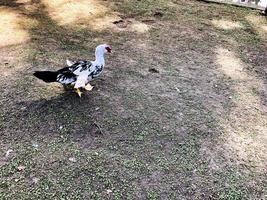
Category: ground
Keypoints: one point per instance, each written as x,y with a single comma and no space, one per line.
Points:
178,113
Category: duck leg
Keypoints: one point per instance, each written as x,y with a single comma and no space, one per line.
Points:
78,91
88,87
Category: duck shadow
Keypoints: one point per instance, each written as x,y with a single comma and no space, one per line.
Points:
66,114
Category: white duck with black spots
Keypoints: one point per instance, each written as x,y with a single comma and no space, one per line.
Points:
78,73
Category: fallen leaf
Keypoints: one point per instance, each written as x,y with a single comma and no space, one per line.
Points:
158,14
153,70
118,21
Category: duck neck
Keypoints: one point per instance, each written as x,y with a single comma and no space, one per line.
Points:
99,58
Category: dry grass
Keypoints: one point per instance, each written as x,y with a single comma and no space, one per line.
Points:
11,32
226,25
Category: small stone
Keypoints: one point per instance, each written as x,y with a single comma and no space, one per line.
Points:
192,63
230,97
23,108
16,180
177,89
97,108
61,127
109,191
8,152
35,180
72,159
21,167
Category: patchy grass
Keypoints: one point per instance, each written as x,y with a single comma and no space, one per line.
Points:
146,8
195,130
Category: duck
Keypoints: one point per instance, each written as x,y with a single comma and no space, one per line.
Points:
78,73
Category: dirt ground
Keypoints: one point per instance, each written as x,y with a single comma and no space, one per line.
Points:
178,113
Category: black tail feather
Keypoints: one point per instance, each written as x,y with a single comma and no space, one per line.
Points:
46,76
